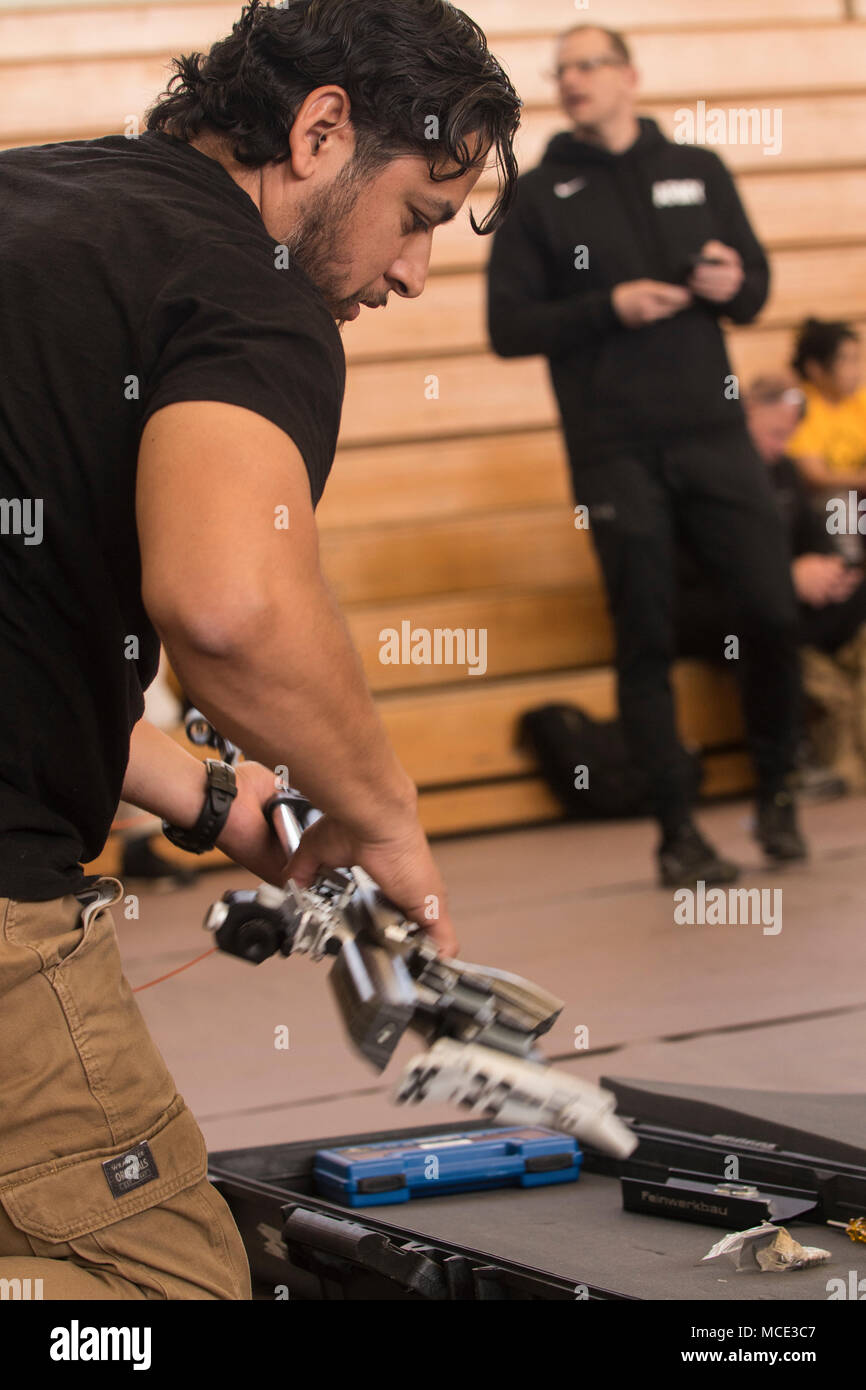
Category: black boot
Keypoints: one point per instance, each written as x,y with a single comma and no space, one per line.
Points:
776,828
685,857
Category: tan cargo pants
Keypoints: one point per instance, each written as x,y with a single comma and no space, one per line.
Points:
103,1187
837,683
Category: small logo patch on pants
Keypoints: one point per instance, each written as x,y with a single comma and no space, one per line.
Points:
132,1169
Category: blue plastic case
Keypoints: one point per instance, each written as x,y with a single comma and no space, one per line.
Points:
378,1175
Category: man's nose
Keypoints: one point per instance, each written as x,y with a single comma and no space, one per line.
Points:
408,275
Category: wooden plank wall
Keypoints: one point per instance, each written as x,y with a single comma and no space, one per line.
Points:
455,511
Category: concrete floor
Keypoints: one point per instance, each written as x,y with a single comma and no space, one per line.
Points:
575,908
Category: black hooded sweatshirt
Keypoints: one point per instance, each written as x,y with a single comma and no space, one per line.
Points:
584,221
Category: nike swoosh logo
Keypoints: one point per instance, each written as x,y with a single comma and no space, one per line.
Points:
565,190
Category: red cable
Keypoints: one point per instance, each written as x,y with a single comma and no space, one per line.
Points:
159,981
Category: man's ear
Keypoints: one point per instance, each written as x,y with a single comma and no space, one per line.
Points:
319,130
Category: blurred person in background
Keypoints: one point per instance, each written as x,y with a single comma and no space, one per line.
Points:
621,256
831,594
830,441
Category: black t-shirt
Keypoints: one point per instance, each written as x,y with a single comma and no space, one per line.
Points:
134,273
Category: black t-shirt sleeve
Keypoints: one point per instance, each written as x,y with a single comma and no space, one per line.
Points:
229,325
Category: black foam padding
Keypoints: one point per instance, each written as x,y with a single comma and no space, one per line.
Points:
819,1126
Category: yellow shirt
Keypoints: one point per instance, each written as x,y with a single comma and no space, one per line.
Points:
834,433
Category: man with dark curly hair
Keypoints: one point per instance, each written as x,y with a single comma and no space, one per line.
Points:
169,408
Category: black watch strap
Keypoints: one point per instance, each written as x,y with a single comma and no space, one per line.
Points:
222,788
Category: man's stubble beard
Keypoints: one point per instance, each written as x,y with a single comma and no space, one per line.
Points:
319,243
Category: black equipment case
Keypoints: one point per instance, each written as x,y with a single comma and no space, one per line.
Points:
573,1241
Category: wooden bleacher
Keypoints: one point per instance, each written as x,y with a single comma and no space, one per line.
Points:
456,511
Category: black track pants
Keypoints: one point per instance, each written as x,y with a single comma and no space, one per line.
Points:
713,490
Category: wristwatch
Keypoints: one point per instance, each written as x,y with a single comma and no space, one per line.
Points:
222,788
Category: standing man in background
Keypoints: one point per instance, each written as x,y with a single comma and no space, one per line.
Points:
621,255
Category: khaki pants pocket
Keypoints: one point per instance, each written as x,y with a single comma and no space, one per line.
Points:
143,1214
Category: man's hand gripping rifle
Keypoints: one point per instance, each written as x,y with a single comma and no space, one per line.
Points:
481,1025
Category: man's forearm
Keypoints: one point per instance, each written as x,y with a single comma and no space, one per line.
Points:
290,691
551,328
162,778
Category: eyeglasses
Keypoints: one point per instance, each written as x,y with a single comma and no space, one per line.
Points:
778,395
587,65
789,396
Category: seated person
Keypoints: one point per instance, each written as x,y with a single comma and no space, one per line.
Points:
829,444
832,594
